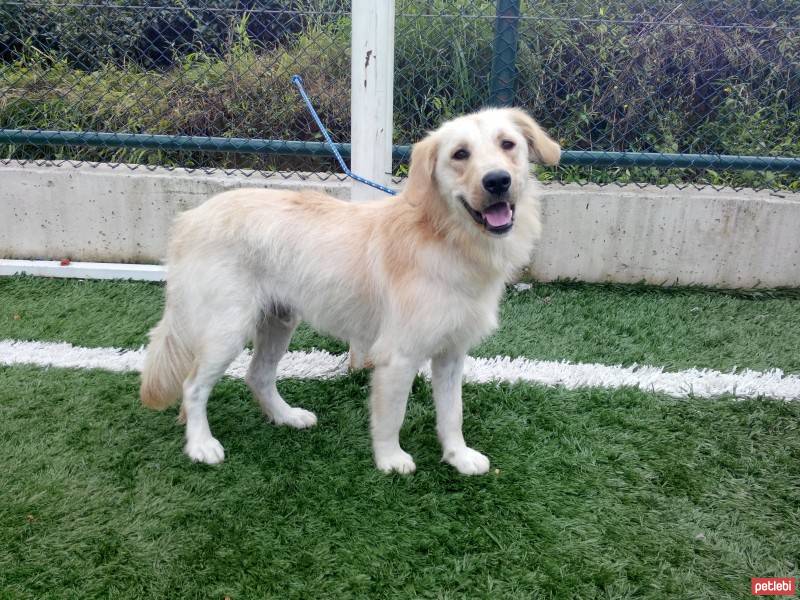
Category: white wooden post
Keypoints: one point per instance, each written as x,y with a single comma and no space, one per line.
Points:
371,101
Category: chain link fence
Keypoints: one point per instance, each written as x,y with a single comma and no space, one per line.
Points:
643,91
171,84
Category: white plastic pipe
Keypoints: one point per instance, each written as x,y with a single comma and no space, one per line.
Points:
82,270
371,100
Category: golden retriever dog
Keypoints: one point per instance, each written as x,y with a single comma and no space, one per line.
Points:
403,279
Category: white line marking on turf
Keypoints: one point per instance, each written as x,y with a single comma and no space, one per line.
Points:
318,364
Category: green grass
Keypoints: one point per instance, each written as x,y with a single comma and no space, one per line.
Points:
600,494
97,313
595,85
677,329
597,493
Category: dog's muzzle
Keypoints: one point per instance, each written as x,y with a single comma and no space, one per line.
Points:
497,218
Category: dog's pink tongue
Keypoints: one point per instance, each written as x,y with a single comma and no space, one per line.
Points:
498,215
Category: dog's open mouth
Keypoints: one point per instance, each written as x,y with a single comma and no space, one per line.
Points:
497,218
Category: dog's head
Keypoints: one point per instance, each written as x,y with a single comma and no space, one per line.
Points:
478,165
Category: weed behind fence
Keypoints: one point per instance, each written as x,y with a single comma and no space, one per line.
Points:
663,76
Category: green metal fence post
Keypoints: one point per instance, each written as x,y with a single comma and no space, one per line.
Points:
504,61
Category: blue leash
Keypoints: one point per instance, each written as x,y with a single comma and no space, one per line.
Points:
299,83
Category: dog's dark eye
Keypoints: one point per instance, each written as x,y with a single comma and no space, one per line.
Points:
507,144
461,154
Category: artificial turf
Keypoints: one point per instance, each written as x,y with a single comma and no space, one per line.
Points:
599,494
592,493
676,329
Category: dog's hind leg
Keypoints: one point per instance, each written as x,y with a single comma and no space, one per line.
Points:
226,327
271,342
209,366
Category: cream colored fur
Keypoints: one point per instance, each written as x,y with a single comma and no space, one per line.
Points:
403,279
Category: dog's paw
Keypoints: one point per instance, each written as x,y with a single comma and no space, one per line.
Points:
207,450
398,461
298,418
467,461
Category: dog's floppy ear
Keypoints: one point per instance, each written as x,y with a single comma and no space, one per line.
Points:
421,182
541,147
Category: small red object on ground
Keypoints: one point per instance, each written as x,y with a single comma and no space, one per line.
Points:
65,262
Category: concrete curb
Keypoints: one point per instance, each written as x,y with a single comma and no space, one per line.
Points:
663,236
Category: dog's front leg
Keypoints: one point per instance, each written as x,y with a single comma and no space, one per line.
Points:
391,384
446,370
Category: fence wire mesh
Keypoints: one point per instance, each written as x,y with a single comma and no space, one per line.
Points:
655,76
652,76
217,68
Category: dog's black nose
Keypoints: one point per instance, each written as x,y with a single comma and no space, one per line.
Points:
497,182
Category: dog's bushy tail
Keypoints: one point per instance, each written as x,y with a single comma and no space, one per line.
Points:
166,365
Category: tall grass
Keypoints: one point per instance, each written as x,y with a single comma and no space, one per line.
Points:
664,76
244,92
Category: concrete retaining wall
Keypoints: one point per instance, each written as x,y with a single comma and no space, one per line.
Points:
670,236
622,234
